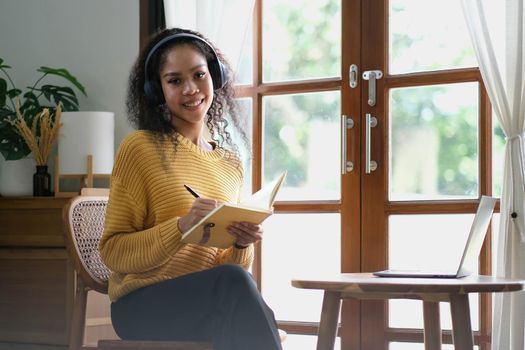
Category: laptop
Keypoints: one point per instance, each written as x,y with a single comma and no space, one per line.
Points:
469,260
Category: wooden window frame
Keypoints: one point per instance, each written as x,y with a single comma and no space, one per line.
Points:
354,27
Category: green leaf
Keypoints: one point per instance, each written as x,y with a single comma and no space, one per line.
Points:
30,99
3,92
33,100
31,106
13,93
60,95
14,150
64,73
12,146
2,65
5,113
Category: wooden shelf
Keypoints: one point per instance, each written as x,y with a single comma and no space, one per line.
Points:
37,281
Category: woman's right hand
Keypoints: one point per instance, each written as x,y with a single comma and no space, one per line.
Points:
200,208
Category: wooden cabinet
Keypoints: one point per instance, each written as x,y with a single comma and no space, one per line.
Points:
36,280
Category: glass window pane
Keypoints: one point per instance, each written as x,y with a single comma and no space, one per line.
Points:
244,74
280,264
434,142
433,241
245,112
301,39
404,313
301,135
498,156
428,35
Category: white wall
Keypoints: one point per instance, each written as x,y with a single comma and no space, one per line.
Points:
96,40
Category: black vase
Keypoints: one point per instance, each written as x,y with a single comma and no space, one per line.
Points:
41,182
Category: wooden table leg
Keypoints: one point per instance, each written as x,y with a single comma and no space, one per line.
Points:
432,325
329,316
461,327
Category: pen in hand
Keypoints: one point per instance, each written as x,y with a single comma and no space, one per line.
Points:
193,193
206,235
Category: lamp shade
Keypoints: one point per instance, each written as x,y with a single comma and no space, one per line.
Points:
84,133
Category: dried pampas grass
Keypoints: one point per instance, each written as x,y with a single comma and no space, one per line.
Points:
42,134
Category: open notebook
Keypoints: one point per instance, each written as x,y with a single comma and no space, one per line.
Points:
212,230
469,260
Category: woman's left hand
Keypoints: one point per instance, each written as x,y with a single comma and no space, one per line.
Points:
246,233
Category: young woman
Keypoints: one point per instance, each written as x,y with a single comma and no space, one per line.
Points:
161,288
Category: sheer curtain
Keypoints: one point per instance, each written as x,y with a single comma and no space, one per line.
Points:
497,32
223,22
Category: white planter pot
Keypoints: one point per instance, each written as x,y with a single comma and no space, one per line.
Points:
16,176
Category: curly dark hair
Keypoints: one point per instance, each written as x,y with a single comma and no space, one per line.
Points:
145,116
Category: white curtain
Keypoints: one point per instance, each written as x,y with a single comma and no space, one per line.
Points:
497,33
223,22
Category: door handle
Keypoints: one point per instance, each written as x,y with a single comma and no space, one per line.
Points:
372,76
370,122
346,165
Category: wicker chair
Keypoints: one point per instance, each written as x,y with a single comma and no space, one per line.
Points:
84,221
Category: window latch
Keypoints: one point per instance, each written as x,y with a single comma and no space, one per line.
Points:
372,76
353,74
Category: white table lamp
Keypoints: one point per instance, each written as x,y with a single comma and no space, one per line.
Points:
85,146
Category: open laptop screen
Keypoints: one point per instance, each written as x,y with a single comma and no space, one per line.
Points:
469,259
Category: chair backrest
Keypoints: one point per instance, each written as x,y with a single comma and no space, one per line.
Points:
84,220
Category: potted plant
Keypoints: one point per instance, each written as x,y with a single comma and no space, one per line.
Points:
32,102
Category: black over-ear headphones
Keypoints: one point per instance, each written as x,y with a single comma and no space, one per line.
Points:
218,71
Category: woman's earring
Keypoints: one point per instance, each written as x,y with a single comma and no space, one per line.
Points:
166,115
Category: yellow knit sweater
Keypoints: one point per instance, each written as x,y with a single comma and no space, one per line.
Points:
141,243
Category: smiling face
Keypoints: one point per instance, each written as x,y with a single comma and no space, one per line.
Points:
187,87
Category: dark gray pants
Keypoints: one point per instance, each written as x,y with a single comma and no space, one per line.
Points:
221,305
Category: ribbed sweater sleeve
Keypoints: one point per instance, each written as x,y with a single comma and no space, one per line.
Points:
232,255
122,245
126,234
